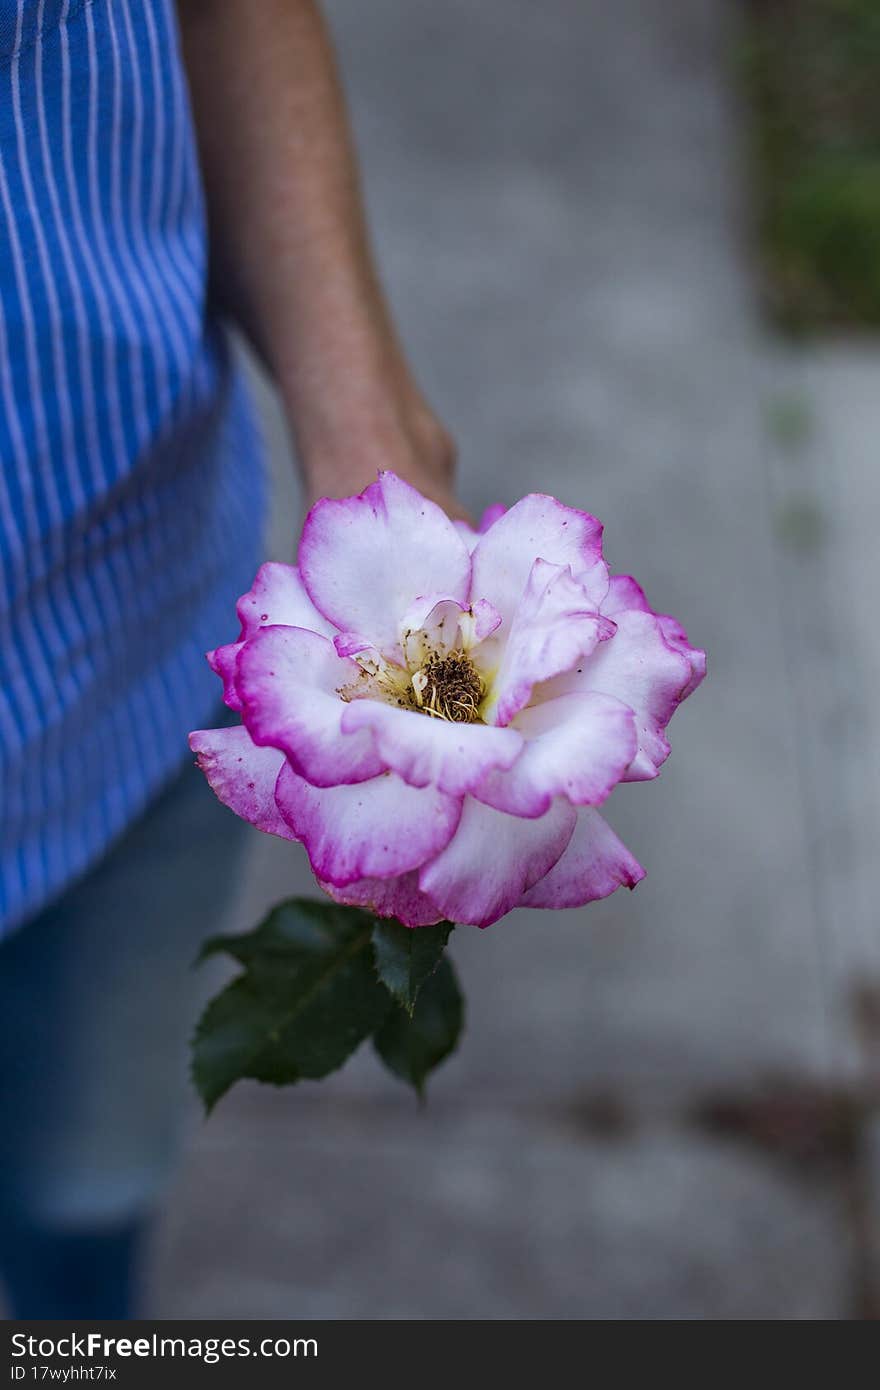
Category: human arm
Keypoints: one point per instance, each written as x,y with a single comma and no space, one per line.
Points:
291,259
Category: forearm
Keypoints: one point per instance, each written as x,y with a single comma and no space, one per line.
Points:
290,255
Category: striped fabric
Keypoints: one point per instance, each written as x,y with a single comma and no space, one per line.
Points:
131,493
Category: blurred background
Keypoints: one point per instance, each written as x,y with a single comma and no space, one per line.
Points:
635,252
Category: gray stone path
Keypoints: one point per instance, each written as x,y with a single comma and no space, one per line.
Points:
557,197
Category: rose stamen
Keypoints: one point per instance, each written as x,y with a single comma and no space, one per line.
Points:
448,688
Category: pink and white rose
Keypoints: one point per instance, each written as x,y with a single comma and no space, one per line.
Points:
437,713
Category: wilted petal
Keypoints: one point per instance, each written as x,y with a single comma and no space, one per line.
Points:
241,775
493,859
537,527
577,746
432,752
594,864
376,829
389,897
364,559
554,626
289,681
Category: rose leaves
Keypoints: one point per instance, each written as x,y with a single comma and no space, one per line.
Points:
317,980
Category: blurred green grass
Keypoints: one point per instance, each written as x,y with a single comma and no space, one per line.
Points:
811,72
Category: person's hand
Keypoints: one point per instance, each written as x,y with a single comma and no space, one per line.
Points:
400,433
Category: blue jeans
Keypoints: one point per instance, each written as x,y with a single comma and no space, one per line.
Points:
98,1000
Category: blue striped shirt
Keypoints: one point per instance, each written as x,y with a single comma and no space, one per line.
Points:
131,493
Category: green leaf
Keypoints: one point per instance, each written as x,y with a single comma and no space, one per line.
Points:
406,956
296,924
412,1047
307,998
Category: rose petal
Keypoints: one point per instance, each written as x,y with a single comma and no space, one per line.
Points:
432,752
469,536
376,829
223,661
242,776
430,627
594,864
490,516
493,859
537,527
624,593
353,644
437,625
365,559
677,637
639,667
479,622
278,597
555,624
577,746
289,682
389,897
